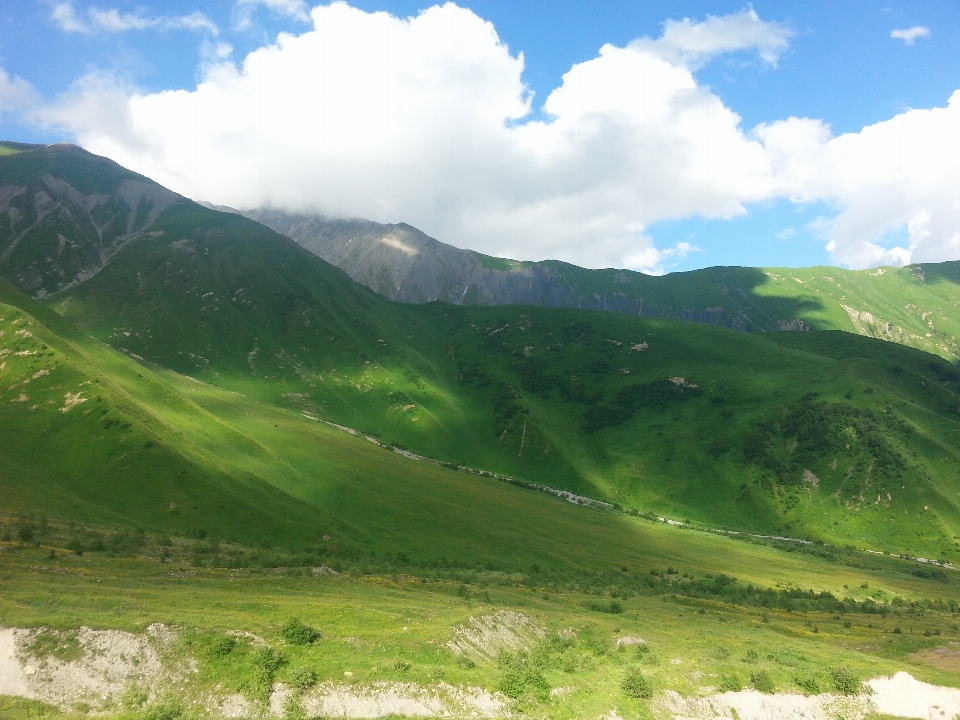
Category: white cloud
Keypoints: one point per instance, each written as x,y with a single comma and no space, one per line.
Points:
16,95
414,119
245,9
67,19
692,43
910,35
113,21
426,120
897,175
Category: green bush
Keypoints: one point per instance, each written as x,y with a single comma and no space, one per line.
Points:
134,697
521,676
293,709
808,683
637,685
166,709
762,681
844,681
297,633
730,683
303,678
268,660
222,646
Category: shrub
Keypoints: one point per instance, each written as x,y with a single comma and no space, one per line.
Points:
297,633
808,683
730,683
222,645
134,697
751,656
762,681
521,676
637,685
844,681
268,661
303,678
293,709
167,709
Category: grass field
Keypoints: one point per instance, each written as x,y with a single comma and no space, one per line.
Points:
393,626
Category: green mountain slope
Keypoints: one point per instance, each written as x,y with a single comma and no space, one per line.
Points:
103,439
822,435
66,212
915,306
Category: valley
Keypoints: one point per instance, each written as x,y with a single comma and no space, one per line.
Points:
172,381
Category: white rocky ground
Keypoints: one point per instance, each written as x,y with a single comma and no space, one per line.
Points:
901,696
106,662
488,635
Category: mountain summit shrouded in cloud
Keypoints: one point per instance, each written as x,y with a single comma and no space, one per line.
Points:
429,120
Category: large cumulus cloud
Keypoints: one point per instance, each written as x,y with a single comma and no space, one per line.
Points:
427,120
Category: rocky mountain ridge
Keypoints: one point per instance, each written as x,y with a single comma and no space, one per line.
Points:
916,305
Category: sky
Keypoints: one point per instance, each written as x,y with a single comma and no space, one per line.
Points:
656,136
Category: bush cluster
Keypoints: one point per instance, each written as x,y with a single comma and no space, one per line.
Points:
637,685
297,633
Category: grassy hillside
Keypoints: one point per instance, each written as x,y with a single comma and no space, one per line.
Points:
254,496
820,435
573,399
103,439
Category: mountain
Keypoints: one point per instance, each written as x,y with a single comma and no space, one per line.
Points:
916,305
235,482
824,435
66,213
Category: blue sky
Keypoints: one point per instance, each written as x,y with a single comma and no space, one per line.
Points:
74,70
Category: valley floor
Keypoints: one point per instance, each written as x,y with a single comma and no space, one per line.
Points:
155,633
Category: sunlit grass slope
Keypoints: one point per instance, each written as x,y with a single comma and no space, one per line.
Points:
822,435
142,447
825,435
